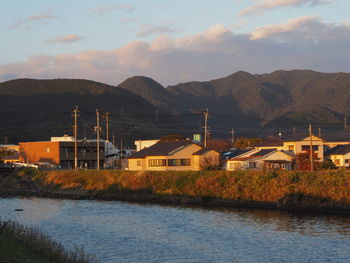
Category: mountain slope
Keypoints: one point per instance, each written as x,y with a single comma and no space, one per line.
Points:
38,109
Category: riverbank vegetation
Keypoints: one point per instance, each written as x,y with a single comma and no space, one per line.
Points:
321,190
290,188
19,244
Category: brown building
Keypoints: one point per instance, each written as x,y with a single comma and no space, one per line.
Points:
61,154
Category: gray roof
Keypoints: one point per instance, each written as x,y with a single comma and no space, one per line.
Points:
263,152
338,150
159,149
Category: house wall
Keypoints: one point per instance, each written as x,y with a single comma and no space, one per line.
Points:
34,152
141,144
136,164
236,165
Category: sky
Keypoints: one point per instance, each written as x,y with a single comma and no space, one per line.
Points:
170,41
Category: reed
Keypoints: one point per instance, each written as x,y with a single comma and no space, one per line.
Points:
28,245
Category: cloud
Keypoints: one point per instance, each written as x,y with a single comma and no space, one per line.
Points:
148,30
100,10
300,43
304,23
270,4
20,23
65,39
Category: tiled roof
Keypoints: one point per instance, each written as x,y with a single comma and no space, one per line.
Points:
338,150
258,154
201,151
235,152
263,152
159,149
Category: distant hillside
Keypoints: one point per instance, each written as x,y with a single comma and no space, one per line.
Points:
150,90
38,109
140,107
282,99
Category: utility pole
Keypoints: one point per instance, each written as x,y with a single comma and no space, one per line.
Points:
311,151
345,122
233,137
75,111
106,116
121,149
206,113
98,129
319,132
113,140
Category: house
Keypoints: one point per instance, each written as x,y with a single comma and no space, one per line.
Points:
300,143
261,159
60,153
181,155
296,143
340,155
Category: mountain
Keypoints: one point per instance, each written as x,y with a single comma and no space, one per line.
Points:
140,107
38,109
281,99
150,90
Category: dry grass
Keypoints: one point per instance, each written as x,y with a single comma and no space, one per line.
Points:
242,185
28,245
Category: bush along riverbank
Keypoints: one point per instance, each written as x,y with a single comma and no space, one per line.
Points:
327,191
19,244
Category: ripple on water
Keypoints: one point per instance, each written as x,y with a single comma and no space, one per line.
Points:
123,232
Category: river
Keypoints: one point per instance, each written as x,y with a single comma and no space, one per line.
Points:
124,232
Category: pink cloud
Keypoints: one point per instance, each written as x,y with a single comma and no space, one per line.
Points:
65,39
271,4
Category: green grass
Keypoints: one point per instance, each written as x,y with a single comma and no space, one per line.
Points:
20,244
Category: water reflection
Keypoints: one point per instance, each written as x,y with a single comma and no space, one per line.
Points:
123,232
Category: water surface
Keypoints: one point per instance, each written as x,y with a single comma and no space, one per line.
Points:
123,232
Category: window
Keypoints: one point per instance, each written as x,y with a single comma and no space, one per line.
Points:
337,162
252,165
138,163
47,149
346,160
156,162
179,162
306,148
291,148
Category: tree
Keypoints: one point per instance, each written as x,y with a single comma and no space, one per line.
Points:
303,161
243,143
219,145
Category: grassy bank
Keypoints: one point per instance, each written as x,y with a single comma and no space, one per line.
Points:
20,244
286,189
